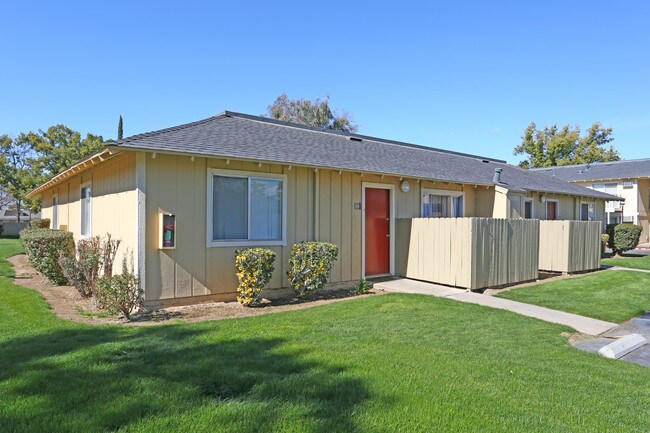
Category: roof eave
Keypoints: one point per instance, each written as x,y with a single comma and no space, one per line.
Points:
103,154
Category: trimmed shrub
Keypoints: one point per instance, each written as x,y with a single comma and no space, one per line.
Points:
309,266
44,247
43,223
120,293
626,237
255,267
362,288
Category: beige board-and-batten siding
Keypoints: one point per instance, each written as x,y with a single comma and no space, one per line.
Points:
472,253
320,206
112,204
569,246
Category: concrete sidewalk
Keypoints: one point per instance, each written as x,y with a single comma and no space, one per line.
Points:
586,325
620,268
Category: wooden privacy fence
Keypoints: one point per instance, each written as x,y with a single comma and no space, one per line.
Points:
472,253
569,246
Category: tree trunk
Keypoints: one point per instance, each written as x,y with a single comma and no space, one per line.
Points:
18,211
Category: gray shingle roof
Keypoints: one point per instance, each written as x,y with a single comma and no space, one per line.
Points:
625,169
241,136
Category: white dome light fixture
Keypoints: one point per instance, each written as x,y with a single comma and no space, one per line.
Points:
405,186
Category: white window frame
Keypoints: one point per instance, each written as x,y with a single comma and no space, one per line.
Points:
557,209
443,192
210,242
55,211
532,208
592,203
88,184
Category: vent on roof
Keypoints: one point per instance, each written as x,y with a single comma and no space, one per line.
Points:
497,175
355,138
485,161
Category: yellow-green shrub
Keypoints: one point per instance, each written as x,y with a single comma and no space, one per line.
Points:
255,267
309,266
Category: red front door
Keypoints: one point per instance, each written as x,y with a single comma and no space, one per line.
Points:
551,210
377,233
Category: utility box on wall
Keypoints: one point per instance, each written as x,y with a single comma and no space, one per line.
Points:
166,231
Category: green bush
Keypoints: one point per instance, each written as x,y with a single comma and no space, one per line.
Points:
609,231
119,293
255,267
44,247
626,237
43,223
309,266
363,287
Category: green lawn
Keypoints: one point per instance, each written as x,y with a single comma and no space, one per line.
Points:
377,364
8,248
638,262
614,296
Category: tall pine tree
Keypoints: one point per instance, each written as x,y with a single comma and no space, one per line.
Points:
119,129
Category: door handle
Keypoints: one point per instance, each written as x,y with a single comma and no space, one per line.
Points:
387,235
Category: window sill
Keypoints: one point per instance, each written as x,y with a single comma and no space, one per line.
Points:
219,244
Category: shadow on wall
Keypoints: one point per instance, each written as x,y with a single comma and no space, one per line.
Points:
169,378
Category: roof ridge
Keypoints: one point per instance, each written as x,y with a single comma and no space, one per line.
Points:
620,161
352,134
169,129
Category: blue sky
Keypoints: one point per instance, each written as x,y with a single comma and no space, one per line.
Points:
466,76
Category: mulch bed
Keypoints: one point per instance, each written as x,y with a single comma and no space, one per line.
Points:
67,304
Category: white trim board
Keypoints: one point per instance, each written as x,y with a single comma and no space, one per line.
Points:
391,202
141,218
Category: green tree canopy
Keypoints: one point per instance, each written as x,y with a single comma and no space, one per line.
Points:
553,146
59,147
315,113
18,173
30,158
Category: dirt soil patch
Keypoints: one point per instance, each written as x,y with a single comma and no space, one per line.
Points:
67,304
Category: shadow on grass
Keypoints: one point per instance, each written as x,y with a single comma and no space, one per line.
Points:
96,379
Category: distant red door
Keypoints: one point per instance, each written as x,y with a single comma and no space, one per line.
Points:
551,210
377,231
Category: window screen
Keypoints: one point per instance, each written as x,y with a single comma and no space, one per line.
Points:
247,208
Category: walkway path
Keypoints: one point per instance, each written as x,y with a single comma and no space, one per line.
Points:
586,325
621,268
